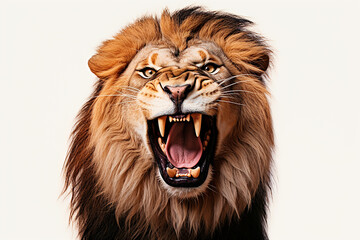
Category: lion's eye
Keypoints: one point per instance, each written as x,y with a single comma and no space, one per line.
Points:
211,68
147,72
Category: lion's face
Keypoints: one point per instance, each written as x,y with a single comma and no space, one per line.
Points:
176,97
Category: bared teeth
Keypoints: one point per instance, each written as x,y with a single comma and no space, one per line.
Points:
183,119
183,173
171,171
162,123
195,172
197,123
174,172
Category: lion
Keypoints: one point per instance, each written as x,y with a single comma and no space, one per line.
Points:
176,140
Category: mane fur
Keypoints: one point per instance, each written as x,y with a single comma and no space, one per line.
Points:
110,173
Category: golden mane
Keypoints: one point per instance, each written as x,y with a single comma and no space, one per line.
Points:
110,171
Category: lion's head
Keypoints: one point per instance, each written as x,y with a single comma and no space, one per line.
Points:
177,137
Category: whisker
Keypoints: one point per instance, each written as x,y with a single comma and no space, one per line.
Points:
130,90
129,96
229,96
129,87
123,102
238,82
232,77
224,101
106,96
234,91
117,95
227,79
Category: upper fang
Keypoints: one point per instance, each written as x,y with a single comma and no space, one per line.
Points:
197,123
162,122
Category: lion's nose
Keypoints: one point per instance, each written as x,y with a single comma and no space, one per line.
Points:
177,93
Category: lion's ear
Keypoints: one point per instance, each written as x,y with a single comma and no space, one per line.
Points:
108,61
111,58
94,65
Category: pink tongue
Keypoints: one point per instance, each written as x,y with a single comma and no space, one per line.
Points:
183,148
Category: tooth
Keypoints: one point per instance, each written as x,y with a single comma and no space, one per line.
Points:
197,123
171,172
208,137
160,141
205,143
163,147
195,172
188,117
162,122
170,119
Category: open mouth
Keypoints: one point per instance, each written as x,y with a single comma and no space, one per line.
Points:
184,147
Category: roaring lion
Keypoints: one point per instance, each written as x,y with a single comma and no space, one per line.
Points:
176,140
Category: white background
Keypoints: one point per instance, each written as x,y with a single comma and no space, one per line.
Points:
44,48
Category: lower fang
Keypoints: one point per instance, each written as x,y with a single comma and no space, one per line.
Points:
195,172
171,172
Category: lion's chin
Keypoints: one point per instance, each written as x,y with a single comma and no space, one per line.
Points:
186,192
183,147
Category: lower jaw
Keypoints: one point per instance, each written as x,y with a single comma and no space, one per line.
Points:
187,192
188,182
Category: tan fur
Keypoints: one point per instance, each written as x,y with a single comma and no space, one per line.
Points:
125,168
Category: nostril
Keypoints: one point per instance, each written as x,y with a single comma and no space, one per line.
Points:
177,93
167,90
